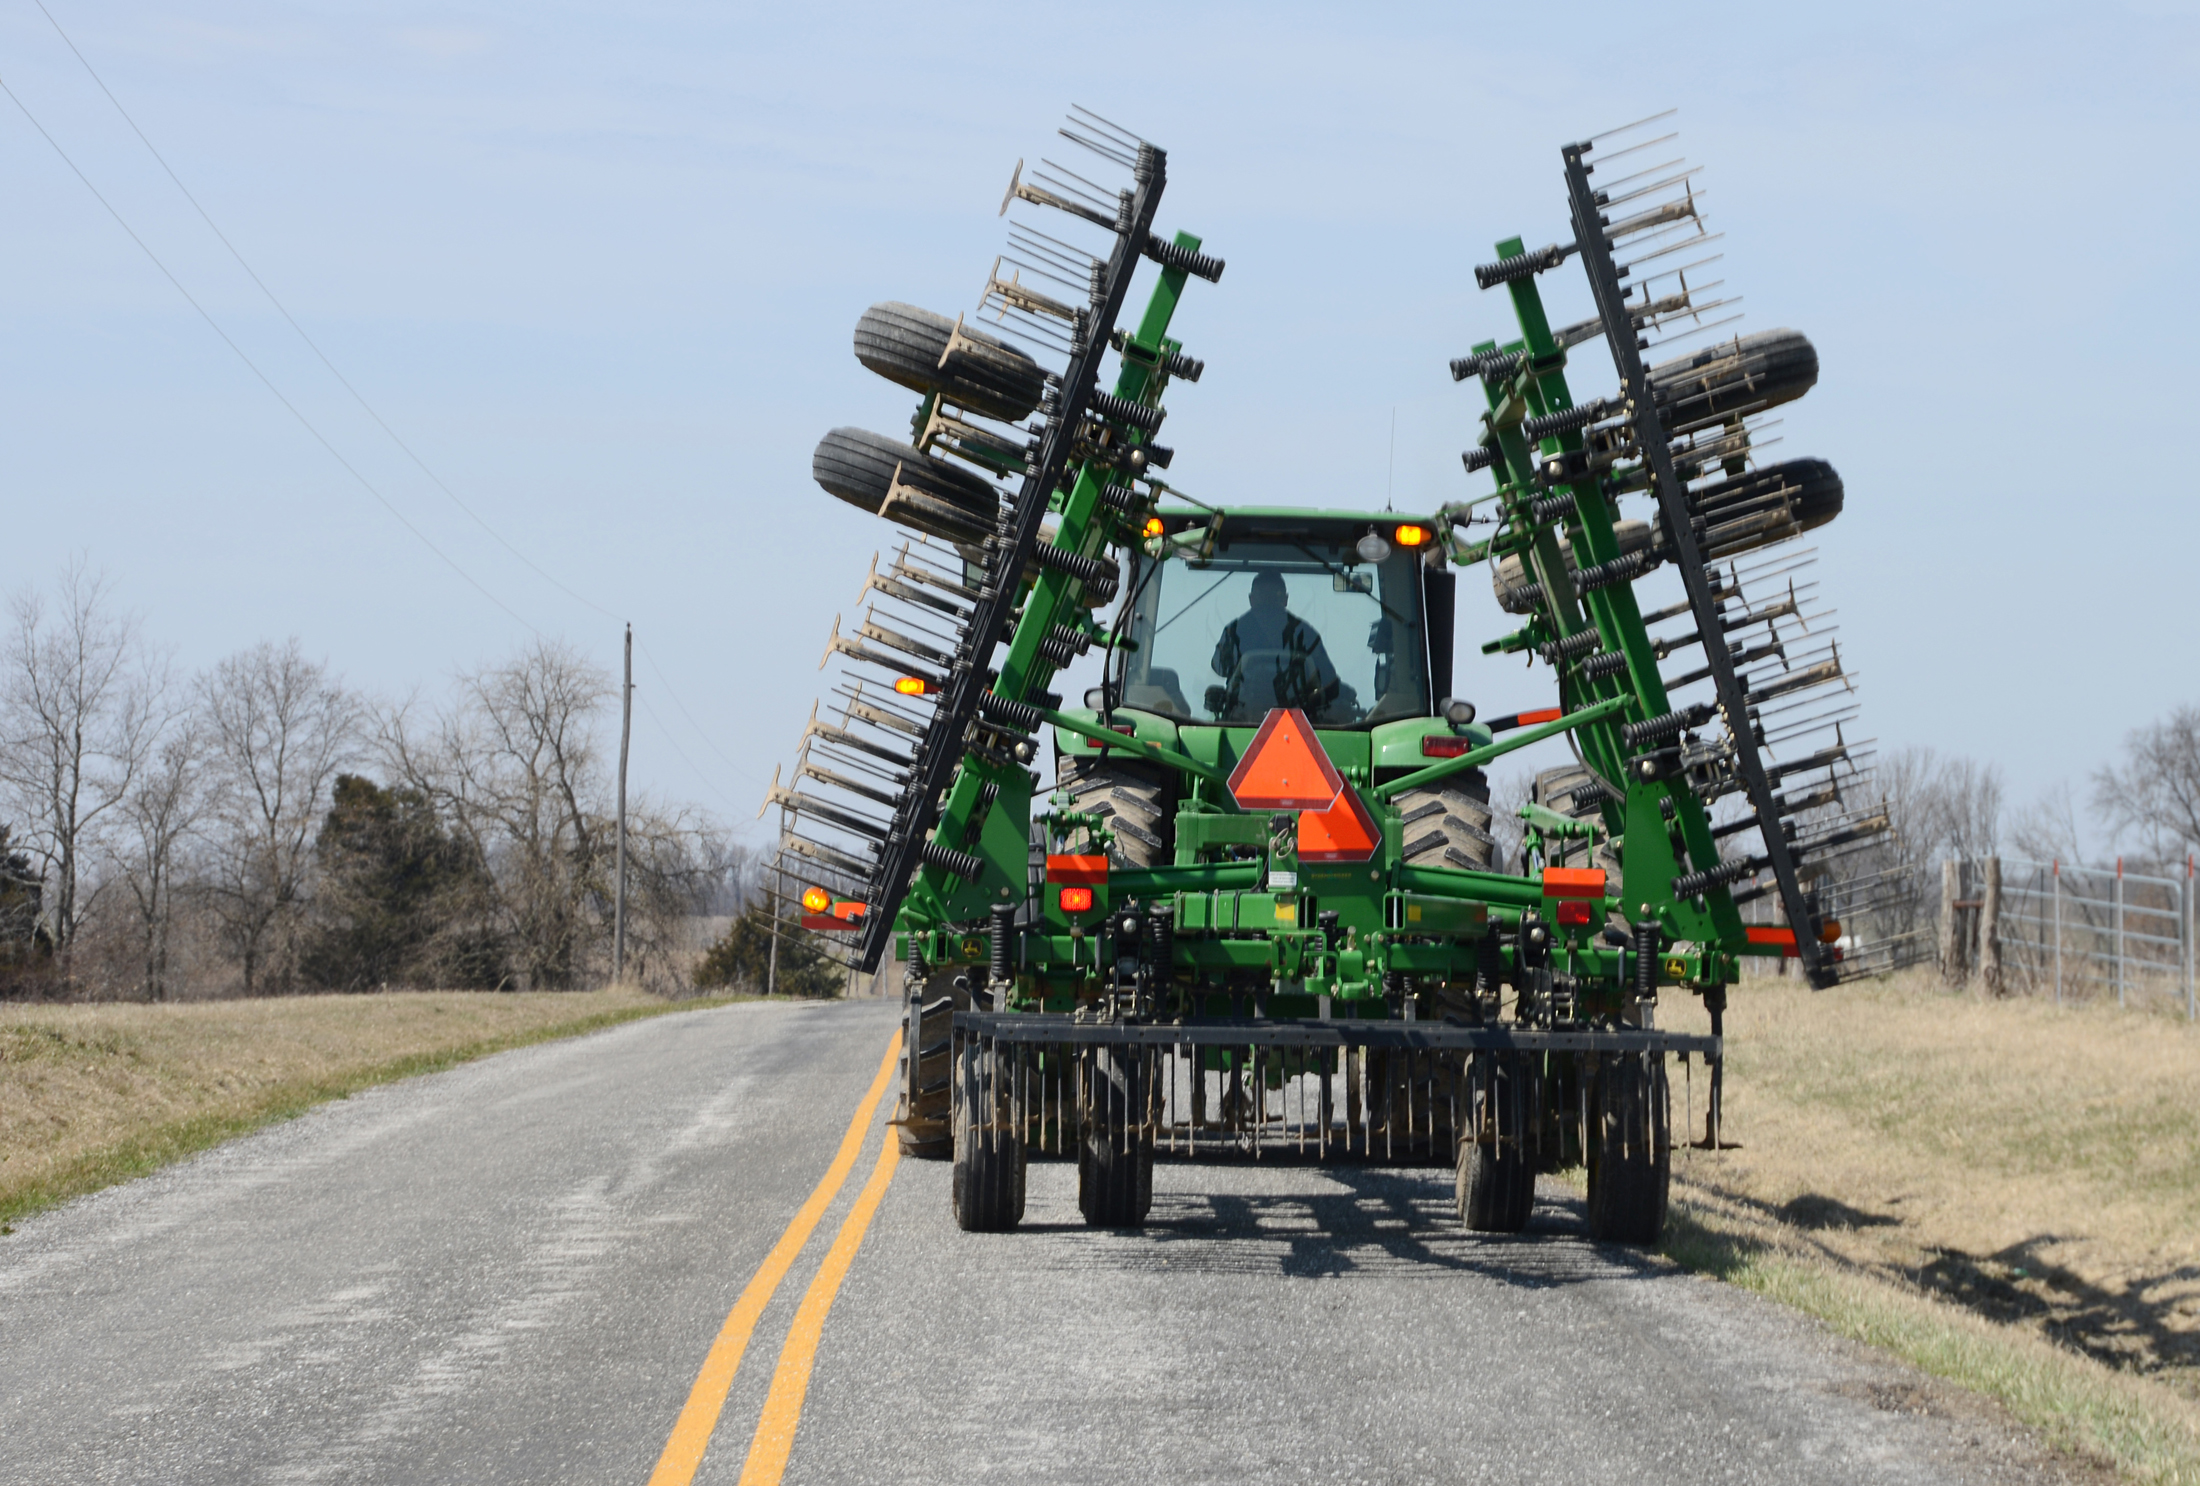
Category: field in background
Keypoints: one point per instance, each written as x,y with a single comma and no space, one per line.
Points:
2003,1191
95,1094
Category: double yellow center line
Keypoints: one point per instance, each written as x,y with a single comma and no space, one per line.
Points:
774,1437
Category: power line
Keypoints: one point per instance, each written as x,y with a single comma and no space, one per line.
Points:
357,396
639,696
253,366
706,737
312,344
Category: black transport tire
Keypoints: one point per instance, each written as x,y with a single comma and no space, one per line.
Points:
1135,796
1494,1170
1115,1143
1494,1187
925,1118
1744,375
1448,824
907,345
988,1194
1811,487
858,466
1630,1150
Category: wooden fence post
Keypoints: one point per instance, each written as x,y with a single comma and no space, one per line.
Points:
1951,942
1989,929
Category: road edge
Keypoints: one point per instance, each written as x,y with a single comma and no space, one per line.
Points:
2099,1418
165,1144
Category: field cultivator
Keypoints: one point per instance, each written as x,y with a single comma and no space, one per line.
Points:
1263,910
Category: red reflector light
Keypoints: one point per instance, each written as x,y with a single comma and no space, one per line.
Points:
1573,913
1437,745
1775,934
1573,882
1077,900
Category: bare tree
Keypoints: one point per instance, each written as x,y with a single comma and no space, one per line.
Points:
167,803
278,728
81,700
2047,829
2155,793
514,765
1940,806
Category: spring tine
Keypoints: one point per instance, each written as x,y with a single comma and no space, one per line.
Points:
1623,128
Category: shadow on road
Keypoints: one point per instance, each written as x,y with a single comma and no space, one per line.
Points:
1356,1220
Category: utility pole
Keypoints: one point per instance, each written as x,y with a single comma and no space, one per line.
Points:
626,732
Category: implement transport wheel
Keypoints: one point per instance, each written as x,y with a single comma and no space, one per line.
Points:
1135,797
1495,1186
1448,824
1630,1150
925,1120
989,1144
985,374
1494,1176
1115,1147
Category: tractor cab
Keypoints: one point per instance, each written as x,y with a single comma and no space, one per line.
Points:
1346,617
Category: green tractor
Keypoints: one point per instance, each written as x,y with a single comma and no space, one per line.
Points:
1265,908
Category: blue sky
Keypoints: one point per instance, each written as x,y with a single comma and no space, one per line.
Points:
599,265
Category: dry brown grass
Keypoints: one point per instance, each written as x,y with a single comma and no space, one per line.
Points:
2006,1191
95,1094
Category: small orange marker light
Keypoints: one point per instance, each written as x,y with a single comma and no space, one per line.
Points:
911,686
816,899
1077,900
1153,526
1410,535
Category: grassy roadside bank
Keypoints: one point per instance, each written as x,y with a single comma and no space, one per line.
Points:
2006,1194
91,1095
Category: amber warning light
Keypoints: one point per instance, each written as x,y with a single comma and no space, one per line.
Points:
816,899
1410,535
911,686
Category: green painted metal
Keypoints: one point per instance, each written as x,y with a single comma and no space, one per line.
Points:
1243,907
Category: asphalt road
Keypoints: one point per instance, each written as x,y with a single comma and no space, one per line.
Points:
514,1272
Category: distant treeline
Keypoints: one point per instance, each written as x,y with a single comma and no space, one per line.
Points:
261,828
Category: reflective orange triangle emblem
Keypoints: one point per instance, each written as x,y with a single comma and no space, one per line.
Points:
1345,832
1284,768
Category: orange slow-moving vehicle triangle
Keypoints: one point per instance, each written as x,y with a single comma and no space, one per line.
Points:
1345,832
1284,768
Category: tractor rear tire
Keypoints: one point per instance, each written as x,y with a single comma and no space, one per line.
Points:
1574,791
925,1120
906,345
1115,1146
1448,824
1136,798
1630,1150
989,1145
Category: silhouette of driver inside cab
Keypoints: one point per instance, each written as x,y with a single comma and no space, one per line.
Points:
1269,657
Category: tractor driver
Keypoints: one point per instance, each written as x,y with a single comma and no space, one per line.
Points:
1284,649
